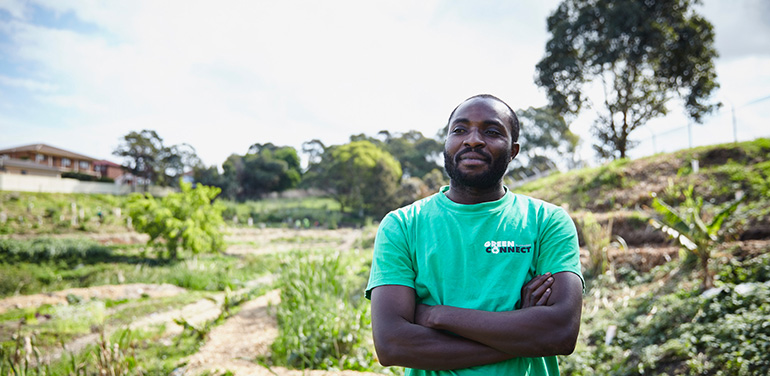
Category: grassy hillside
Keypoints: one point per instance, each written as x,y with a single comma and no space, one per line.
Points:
622,189
648,313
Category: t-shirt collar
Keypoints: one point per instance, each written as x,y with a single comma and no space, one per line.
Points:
484,207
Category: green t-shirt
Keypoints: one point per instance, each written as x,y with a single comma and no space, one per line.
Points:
475,256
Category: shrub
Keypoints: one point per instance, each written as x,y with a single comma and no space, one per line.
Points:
79,176
186,220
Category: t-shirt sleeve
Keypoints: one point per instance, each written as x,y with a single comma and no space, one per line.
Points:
392,262
559,250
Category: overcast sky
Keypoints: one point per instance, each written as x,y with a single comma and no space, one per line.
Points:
223,75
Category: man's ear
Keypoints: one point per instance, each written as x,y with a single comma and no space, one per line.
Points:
514,150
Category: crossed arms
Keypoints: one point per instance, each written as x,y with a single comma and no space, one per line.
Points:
416,336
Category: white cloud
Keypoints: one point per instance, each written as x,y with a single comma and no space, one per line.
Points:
31,85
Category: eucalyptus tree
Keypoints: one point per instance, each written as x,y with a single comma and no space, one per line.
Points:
643,53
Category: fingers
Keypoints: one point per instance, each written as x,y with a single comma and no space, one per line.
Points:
541,290
537,291
544,299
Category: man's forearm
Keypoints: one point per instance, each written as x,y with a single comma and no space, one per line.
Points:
399,341
415,346
529,332
534,331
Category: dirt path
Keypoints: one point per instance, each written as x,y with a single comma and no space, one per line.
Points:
194,313
115,292
234,345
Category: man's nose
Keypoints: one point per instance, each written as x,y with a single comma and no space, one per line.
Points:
474,140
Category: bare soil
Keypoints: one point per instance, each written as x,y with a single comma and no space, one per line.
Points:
114,292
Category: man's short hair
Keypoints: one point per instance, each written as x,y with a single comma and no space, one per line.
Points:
514,119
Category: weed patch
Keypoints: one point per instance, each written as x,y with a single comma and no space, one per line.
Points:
323,318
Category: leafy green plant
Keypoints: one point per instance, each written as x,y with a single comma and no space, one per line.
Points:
186,220
322,318
688,226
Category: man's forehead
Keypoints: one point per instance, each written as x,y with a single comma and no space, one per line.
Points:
481,104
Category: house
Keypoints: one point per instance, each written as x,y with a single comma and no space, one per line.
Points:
47,160
105,168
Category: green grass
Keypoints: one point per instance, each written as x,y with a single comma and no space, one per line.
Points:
30,271
135,351
321,210
51,213
724,169
306,239
323,317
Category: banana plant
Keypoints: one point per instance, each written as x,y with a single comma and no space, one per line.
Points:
687,225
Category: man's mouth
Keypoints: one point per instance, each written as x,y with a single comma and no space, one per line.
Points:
473,157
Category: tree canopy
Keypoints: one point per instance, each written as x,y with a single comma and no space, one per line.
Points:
146,157
545,139
643,53
263,169
416,153
360,175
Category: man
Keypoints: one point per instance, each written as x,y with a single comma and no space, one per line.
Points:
476,280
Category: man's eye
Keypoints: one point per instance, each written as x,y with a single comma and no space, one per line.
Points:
458,130
493,132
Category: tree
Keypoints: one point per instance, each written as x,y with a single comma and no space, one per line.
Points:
147,158
265,168
141,152
360,176
545,141
416,153
174,162
185,220
210,176
644,53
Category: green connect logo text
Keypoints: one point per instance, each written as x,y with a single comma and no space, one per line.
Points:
506,246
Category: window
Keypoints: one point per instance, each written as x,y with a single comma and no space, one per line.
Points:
40,158
65,162
83,165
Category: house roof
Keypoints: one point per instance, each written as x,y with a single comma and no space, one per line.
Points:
48,150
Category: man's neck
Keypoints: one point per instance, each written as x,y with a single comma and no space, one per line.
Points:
469,195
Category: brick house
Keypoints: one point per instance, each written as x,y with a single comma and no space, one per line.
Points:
46,160
105,168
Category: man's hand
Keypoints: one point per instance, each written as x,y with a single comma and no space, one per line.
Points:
537,291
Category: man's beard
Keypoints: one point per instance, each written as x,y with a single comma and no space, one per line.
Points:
488,179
